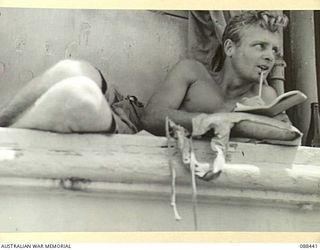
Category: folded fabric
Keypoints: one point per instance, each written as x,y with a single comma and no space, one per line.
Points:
247,125
240,124
236,124
223,125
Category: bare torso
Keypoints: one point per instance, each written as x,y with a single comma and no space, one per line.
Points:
190,88
207,97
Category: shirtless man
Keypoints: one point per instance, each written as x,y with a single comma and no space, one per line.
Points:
72,96
251,43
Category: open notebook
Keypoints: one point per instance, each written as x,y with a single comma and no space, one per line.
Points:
280,104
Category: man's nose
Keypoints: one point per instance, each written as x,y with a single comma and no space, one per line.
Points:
268,55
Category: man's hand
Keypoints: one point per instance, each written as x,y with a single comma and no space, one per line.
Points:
283,117
252,101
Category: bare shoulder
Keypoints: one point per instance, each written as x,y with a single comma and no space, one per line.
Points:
173,90
191,69
189,64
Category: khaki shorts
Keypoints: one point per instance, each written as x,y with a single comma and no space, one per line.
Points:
126,110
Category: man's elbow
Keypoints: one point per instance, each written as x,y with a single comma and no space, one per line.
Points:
150,123
144,118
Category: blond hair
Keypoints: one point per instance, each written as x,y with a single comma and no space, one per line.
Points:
271,21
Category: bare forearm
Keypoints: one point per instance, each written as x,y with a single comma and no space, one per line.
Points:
154,120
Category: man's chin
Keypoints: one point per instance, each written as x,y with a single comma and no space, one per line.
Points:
255,80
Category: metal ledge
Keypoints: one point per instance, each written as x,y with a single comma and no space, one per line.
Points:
134,159
133,169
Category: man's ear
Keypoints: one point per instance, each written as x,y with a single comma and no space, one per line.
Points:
228,47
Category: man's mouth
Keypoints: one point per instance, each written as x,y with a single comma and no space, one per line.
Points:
263,68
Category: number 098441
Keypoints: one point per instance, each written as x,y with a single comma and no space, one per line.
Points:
308,246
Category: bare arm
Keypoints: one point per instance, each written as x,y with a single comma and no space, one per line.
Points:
167,99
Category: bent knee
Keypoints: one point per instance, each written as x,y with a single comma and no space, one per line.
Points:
74,104
76,91
86,108
70,68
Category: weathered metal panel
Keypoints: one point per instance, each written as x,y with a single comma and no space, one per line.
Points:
303,63
133,48
92,182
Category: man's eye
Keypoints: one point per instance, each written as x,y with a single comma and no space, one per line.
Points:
259,46
275,51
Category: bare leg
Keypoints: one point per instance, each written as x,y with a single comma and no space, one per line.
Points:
65,98
75,104
33,90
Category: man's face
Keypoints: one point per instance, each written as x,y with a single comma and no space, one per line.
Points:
256,52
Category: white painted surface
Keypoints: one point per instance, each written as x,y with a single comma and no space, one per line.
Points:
134,49
122,183
71,211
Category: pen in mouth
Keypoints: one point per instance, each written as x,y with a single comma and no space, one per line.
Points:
261,82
